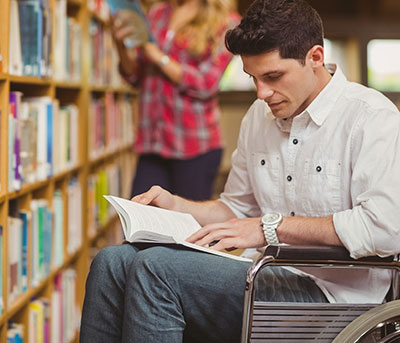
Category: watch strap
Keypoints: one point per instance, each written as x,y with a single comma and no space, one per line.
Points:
270,234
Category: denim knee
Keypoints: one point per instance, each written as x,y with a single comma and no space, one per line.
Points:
113,257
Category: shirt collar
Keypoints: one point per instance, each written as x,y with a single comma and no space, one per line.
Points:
322,105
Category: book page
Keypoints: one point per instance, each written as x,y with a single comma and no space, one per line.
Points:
146,224
140,217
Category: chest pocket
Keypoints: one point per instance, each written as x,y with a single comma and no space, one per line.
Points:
266,179
320,189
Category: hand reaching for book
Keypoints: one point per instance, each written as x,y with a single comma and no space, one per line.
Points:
237,233
129,29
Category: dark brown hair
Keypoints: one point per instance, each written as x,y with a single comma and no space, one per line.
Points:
292,27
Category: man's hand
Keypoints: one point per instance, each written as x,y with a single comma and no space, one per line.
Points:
235,233
156,196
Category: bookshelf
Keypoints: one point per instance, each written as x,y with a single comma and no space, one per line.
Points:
52,215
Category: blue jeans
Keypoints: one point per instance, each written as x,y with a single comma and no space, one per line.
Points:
163,295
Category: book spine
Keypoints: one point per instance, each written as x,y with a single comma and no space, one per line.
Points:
25,221
50,137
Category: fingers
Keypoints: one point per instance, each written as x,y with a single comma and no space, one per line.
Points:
149,196
228,244
204,231
122,26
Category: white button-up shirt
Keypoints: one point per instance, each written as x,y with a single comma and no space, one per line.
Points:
340,157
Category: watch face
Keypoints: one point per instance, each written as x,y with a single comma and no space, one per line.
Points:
271,218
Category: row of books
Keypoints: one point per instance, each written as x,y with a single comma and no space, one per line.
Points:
61,308
101,44
103,57
42,138
105,181
30,38
114,179
39,232
68,45
100,8
111,122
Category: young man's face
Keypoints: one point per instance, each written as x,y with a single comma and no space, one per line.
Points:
285,84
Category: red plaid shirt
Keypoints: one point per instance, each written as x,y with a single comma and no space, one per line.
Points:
178,121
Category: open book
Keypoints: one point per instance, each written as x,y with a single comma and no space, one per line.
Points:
149,224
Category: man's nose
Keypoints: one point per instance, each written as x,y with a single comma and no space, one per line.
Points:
264,91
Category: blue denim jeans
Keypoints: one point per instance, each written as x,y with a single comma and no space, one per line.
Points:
164,295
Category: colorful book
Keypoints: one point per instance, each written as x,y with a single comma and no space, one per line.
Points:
25,217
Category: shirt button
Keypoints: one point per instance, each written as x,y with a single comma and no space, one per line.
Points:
289,178
292,214
318,169
295,141
262,162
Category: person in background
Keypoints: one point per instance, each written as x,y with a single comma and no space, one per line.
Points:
317,163
178,73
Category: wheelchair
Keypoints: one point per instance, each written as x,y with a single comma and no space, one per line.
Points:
321,322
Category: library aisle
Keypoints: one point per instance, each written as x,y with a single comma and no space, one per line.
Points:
66,129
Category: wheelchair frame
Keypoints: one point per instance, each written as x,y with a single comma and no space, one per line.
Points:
321,322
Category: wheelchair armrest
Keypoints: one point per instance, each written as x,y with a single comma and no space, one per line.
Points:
318,253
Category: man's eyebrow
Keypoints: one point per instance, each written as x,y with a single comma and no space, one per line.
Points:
266,74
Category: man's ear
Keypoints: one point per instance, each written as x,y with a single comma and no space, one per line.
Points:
315,56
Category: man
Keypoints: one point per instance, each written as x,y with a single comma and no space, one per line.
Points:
317,162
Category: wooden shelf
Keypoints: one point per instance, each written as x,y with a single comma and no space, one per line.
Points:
76,3
124,90
68,85
66,172
28,188
109,154
237,96
30,80
65,95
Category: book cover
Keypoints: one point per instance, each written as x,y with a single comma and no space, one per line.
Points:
14,258
36,321
25,217
27,144
149,224
15,105
58,240
31,28
15,53
133,10
11,156
35,276
50,134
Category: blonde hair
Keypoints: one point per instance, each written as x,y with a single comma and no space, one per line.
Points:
205,31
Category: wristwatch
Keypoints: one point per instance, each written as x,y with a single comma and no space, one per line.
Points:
269,223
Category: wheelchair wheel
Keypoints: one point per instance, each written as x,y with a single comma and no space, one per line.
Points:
378,325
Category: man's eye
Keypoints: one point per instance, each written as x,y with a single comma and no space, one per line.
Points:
273,77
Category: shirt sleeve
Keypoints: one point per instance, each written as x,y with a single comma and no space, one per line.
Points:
202,81
372,226
238,194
